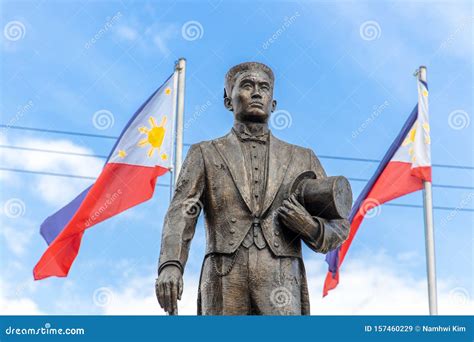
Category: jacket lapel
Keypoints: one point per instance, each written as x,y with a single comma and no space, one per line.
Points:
231,152
280,155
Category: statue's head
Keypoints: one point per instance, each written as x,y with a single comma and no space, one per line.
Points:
249,92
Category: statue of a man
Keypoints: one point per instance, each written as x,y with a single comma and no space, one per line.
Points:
253,263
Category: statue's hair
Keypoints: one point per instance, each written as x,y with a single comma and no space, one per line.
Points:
235,71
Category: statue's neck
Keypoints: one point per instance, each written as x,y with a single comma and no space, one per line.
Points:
254,128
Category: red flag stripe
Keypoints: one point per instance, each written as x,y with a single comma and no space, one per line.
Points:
118,188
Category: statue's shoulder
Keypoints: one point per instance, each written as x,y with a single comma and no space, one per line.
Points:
295,148
206,144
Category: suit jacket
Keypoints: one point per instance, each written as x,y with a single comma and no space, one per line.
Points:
212,179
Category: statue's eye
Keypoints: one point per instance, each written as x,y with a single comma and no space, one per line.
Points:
247,86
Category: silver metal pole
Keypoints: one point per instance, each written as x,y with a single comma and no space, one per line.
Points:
181,68
429,233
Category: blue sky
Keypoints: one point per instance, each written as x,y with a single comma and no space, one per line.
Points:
344,86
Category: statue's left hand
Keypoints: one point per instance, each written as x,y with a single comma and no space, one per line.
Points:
296,217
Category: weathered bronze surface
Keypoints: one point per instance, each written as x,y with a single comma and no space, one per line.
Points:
254,223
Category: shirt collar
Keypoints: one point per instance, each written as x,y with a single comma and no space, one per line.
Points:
244,134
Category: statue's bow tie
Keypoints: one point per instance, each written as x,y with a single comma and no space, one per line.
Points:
261,138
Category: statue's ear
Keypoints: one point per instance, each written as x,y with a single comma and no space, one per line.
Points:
274,105
227,101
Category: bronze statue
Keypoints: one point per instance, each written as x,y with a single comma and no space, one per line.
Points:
250,185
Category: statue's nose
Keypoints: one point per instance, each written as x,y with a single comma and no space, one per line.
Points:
256,94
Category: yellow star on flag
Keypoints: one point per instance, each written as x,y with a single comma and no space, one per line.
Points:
122,153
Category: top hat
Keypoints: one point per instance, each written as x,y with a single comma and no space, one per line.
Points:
329,197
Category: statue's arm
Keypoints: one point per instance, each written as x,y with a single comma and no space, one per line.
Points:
183,212
325,235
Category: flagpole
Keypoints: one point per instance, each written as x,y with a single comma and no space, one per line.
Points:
429,232
180,67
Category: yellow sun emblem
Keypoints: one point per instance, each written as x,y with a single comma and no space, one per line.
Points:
410,139
155,136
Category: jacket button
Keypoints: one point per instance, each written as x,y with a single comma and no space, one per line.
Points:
277,232
231,243
233,220
232,231
276,244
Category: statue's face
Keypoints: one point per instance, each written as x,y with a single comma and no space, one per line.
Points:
252,97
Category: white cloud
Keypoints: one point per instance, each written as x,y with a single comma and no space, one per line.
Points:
161,36
156,35
14,302
16,239
137,297
56,191
370,285
127,33
379,285
18,306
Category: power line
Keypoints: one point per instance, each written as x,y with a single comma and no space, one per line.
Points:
59,132
167,185
52,151
464,167
434,207
378,161
56,174
447,186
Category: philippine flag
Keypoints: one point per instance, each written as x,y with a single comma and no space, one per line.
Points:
402,171
143,152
